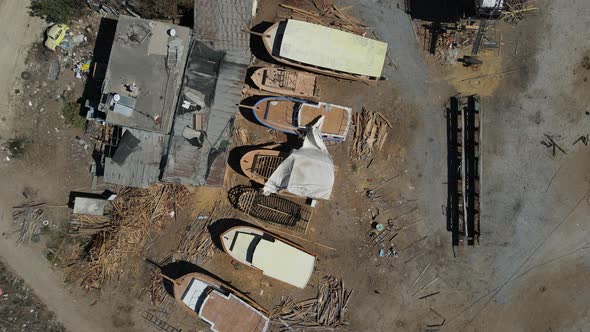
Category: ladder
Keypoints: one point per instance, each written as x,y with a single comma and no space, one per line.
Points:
160,324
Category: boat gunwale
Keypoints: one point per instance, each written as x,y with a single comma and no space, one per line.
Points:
219,285
325,136
262,87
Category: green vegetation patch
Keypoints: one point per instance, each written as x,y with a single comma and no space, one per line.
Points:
72,117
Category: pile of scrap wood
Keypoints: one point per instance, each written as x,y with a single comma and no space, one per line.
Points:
196,245
29,219
155,288
516,10
137,214
326,13
370,134
85,224
325,311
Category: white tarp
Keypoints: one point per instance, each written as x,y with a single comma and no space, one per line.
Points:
308,171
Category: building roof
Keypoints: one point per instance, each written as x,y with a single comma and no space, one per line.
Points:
329,48
216,86
145,69
141,166
221,25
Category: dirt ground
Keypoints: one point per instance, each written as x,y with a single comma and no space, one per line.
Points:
20,309
530,271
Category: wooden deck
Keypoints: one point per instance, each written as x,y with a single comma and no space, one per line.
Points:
336,121
230,314
278,114
287,82
285,115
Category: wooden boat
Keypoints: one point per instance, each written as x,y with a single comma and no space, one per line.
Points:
325,50
258,165
223,307
275,256
291,115
286,82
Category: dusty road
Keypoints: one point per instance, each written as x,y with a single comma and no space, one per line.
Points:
18,31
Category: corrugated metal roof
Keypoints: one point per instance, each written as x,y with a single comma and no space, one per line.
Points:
218,76
221,24
330,48
142,167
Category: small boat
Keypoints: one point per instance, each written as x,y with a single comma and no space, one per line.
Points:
325,50
224,308
290,115
286,82
276,257
258,165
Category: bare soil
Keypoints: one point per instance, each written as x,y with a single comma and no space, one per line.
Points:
21,309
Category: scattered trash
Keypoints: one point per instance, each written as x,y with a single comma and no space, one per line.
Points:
379,227
54,70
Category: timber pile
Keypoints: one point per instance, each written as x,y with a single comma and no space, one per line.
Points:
136,214
516,10
196,245
82,224
326,13
29,219
370,134
324,312
155,288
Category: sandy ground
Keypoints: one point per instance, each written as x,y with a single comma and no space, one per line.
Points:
47,173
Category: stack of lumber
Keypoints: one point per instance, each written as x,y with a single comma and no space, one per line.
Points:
83,224
28,218
137,214
196,245
370,134
326,13
155,288
325,311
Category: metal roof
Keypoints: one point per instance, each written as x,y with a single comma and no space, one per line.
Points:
142,166
145,56
221,25
329,48
219,86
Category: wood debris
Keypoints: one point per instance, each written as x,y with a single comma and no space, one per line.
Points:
136,214
196,245
326,13
29,219
82,224
370,134
155,289
324,312
517,10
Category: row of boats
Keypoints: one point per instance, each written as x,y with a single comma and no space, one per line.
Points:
318,49
225,308
294,109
